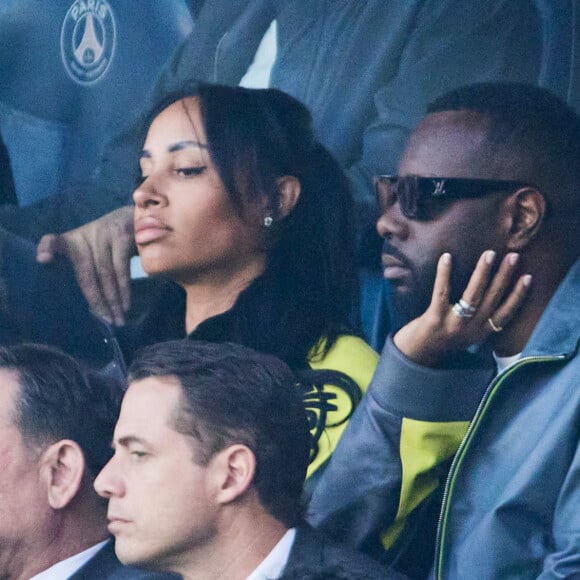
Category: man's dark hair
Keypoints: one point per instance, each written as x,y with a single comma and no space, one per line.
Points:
58,400
532,136
232,394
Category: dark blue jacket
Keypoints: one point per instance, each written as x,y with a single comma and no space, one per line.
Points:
314,554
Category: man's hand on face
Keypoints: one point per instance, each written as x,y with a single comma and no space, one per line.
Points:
99,252
488,304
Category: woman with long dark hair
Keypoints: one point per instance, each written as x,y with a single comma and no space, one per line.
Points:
249,218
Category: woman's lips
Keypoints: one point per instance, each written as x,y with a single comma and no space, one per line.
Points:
149,230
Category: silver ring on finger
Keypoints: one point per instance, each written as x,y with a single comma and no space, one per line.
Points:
494,326
463,309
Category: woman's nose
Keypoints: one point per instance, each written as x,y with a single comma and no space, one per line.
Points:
148,193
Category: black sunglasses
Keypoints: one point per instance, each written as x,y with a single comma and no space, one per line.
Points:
416,194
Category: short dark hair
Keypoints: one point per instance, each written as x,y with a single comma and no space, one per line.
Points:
233,394
532,134
59,400
256,136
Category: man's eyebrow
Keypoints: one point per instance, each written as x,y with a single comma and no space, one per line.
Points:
128,440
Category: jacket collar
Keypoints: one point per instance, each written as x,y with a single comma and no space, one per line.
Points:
558,330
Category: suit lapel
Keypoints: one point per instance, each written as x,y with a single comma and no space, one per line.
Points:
307,550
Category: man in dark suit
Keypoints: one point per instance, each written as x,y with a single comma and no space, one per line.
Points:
211,450
55,430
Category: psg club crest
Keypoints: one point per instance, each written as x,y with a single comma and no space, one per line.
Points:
87,40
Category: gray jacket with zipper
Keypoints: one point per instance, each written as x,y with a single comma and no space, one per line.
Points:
511,502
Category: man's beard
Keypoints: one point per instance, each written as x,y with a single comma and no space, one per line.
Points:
404,306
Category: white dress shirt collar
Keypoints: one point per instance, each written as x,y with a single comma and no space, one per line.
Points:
66,568
274,563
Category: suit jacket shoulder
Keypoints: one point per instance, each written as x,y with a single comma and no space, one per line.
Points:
312,552
104,565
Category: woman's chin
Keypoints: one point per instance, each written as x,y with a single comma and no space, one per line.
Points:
153,267
161,269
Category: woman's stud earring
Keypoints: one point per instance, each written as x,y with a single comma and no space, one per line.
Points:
268,221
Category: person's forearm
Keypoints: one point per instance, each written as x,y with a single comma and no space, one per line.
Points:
60,213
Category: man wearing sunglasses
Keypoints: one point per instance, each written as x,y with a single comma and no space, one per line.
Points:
481,251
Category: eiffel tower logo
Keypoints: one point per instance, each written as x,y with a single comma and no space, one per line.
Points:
87,40
90,50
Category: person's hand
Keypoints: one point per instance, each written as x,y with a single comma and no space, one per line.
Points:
440,331
100,252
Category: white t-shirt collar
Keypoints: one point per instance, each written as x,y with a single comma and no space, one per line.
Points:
503,362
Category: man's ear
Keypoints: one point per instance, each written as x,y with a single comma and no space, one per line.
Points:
62,470
235,467
289,188
527,209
